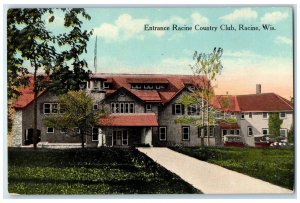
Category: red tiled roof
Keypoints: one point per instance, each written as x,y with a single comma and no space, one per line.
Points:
147,95
148,80
26,95
224,125
264,102
175,84
220,100
129,120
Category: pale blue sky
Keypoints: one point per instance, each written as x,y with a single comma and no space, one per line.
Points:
249,57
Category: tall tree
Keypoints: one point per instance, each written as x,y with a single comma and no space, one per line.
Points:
205,69
274,123
57,55
78,116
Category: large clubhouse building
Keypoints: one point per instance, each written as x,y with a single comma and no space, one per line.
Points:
143,110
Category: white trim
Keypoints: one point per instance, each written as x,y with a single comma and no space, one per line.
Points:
48,130
282,117
159,132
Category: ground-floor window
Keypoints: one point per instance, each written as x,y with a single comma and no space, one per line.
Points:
94,134
250,131
50,130
203,131
162,133
265,131
185,132
283,132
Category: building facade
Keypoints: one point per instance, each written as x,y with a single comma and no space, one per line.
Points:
144,110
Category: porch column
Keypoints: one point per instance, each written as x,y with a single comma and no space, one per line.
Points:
146,137
101,138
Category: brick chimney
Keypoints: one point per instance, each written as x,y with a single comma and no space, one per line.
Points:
258,88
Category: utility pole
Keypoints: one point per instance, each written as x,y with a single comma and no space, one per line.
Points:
95,57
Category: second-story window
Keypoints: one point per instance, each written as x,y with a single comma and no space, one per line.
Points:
122,107
250,114
148,107
177,109
51,108
265,115
282,115
242,116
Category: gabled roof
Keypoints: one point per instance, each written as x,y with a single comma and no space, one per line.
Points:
264,102
226,103
129,120
26,96
175,85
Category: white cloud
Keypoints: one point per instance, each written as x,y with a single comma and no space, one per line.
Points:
197,18
107,31
240,15
283,40
240,54
274,17
124,28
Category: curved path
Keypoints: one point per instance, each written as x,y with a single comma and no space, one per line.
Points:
210,178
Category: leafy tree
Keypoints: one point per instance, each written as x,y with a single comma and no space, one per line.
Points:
274,123
28,40
77,113
291,135
205,69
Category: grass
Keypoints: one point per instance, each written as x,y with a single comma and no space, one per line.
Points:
269,164
89,171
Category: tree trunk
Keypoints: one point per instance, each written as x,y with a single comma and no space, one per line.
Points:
202,118
35,89
208,143
82,139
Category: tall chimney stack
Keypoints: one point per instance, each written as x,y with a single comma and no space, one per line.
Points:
258,88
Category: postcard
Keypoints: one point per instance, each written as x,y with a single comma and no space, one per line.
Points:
150,100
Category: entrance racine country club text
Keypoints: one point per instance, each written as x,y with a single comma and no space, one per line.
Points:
223,27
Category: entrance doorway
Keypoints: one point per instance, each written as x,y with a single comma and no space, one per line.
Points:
120,137
29,136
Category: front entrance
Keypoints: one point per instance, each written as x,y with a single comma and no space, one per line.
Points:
29,136
120,138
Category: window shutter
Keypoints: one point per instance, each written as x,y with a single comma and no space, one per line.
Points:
189,110
173,109
182,109
41,108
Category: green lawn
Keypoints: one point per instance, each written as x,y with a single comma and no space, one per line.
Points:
272,165
89,171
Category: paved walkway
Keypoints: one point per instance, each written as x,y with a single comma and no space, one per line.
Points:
210,178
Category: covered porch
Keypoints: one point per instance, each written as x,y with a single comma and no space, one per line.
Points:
127,129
